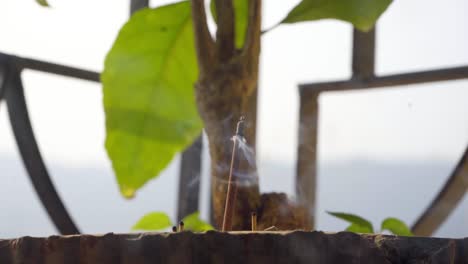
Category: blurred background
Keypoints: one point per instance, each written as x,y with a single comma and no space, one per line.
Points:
381,153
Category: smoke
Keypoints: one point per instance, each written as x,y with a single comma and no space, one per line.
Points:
245,178
193,181
245,151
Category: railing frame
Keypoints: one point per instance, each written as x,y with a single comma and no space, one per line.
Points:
364,78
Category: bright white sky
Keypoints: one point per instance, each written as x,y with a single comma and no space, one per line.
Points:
423,122
428,121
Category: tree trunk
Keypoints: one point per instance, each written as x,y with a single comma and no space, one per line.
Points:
228,79
222,98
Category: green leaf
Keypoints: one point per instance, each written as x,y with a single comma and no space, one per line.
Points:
153,221
194,223
43,3
359,229
149,102
361,13
356,221
241,13
396,226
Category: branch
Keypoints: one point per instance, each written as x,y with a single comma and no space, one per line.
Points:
251,50
204,44
225,32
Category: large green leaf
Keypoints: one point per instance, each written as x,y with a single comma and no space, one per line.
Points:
241,12
361,13
357,222
153,221
43,3
194,223
396,226
149,99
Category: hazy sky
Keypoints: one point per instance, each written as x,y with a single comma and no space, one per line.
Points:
417,122
420,123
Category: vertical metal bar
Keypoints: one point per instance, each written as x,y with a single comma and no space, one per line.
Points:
189,179
363,54
135,5
31,155
306,169
4,61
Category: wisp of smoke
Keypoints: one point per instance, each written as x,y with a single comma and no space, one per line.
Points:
246,152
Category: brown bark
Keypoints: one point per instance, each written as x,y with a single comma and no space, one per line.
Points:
228,77
227,81
222,98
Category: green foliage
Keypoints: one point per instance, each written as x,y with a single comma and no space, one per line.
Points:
359,229
396,227
149,74
153,221
358,224
149,97
43,3
194,223
361,225
361,13
241,19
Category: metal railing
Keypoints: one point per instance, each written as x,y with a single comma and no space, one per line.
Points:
12,91
364,78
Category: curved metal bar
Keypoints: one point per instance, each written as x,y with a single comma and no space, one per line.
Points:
24,63
31,155
446,201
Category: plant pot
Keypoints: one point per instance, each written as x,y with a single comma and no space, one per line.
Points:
233,247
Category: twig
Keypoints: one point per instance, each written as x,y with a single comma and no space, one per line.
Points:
204,43
251,49
225,31
232,185
271,228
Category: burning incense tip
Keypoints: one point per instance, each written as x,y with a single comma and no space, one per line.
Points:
240,126
181,226
174,229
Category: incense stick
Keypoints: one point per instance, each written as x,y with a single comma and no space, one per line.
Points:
232,185
253,217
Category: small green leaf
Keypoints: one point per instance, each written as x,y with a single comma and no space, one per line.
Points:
153,221
363,14
357,222
359,229
241,13
149,102
396,226
43,3
194,223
